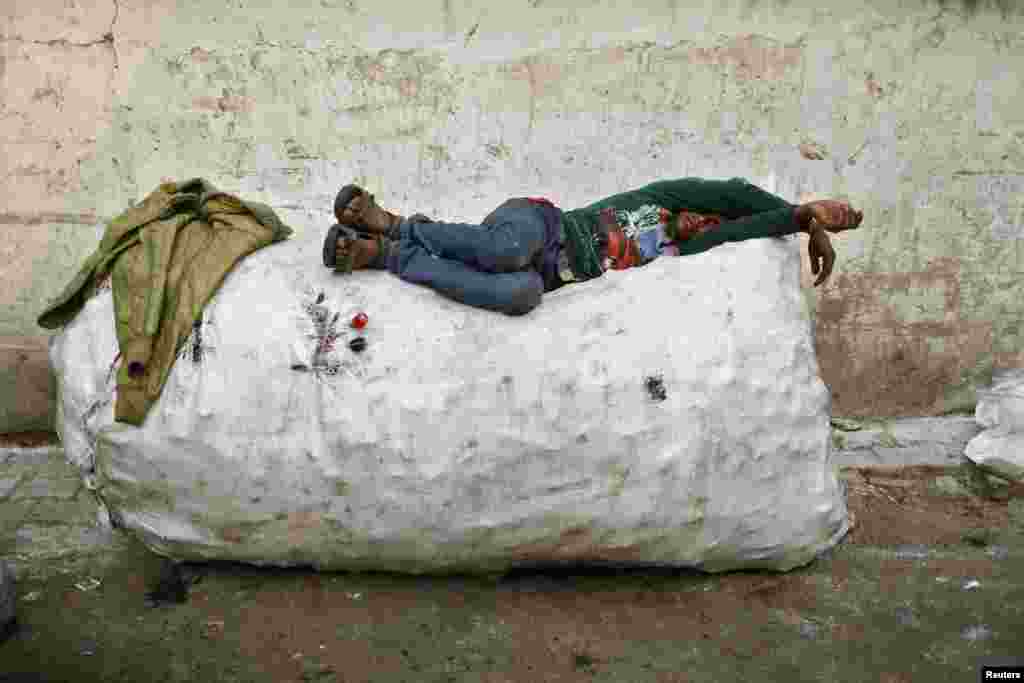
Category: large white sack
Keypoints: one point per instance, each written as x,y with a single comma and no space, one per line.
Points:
669,415
1000,410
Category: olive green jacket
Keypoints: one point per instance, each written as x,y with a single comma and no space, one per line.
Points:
166,257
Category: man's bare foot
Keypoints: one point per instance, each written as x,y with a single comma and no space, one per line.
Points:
363,251
357,208
831,214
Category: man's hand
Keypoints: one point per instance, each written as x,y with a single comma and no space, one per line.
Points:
833,215
819,247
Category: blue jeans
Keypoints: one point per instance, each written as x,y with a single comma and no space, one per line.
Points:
495,265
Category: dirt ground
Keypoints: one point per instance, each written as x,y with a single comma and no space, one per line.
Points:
926,585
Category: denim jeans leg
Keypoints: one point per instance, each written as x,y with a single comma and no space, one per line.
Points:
515,293
510,241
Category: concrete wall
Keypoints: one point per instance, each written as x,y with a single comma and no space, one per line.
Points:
911,109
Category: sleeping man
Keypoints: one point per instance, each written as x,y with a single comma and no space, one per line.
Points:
529,246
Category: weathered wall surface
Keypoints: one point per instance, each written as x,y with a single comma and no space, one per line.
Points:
913,110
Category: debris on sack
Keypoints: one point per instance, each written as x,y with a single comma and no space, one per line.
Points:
655,387
326,336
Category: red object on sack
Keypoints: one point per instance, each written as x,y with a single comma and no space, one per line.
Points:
540,200
360,320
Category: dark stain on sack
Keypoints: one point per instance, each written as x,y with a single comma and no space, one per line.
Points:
111,372
94,408
197,343
655,387
194,348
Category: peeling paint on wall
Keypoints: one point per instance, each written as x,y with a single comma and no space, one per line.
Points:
907,356
750,57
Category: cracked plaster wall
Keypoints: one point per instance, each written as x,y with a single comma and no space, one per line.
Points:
912,110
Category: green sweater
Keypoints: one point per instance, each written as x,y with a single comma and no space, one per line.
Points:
747,212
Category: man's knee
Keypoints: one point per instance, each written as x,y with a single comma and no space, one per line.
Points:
510,256
515,238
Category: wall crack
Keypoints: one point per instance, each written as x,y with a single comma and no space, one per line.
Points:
58,41
109,37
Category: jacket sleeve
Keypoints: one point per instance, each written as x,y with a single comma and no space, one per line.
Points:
774,223
731,199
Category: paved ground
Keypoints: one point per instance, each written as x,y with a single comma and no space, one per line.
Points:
902,442
928,583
